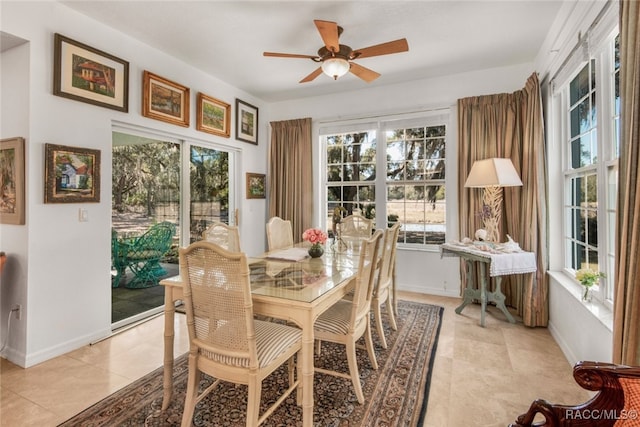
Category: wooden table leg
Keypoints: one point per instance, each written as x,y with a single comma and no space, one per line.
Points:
307,372
498,297
169,315
483,293
469,292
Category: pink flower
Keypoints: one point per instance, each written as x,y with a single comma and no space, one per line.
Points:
314,236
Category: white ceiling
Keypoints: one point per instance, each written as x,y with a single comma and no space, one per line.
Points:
226,38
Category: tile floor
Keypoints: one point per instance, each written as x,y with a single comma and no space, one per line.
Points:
482,376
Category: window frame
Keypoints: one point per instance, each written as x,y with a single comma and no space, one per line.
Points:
605,168
430,118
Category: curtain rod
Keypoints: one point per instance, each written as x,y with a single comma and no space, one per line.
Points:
582,40
377,116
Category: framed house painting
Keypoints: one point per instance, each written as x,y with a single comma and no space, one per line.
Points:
12,181
246,122
89,75
165,100
72,175
213,116
256,185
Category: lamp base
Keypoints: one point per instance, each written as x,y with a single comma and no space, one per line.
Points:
492,199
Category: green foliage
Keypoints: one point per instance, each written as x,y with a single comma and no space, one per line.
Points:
141,171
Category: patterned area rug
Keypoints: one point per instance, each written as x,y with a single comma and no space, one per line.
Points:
395,394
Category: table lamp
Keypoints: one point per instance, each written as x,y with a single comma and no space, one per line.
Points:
491,175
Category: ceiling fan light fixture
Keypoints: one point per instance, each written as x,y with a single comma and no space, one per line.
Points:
335,67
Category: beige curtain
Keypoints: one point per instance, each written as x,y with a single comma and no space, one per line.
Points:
290,174
510,126
626,320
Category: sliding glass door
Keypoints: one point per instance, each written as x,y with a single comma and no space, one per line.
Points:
209,189
157,179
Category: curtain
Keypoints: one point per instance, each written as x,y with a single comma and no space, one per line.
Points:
290,174
510,126
626,317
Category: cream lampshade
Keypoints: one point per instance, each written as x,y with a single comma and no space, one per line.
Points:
491,175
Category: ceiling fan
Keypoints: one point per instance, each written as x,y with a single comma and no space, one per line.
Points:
337,59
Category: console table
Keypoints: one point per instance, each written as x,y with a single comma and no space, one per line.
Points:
500,264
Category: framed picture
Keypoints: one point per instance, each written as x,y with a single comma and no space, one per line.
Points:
12,181
89,75
246,122
165,100
213,116
72,175
256,183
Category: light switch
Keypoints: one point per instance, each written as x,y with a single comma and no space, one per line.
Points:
83,215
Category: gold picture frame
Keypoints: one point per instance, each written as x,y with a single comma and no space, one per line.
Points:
89,75
213,115
72,174
12,196
246,122
256,185
165,100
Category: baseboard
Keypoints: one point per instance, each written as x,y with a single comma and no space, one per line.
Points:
59,350
454,293
564,346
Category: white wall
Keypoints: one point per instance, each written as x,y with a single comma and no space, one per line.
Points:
66,290
14,86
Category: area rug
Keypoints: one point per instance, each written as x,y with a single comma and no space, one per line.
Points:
395,394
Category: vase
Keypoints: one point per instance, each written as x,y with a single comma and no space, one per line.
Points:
586,295
316,251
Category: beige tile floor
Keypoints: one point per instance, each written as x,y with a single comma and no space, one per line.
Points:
482,376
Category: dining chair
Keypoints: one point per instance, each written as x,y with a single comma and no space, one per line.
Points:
223,235
382,291
279,233
226,342
348,320
354,228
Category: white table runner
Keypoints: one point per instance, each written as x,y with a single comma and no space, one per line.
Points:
501,263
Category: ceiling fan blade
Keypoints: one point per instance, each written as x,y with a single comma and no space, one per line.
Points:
395,46
312,76
329,33
364,73
289,55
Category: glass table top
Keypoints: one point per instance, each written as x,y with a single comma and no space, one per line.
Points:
303,280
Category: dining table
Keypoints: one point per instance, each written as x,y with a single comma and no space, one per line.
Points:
285,284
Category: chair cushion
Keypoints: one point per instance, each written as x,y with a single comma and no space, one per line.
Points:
145,254
335,320
631,389
273,339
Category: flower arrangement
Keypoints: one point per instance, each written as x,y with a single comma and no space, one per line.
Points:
315,236
587,278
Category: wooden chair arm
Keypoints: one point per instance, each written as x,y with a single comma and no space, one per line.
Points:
604,409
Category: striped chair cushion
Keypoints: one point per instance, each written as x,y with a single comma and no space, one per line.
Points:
272,339
336,319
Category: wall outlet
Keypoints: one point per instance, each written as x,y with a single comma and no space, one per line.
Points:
17,309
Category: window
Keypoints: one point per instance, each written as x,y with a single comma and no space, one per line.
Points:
415,183
591,150
410,191
351,172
